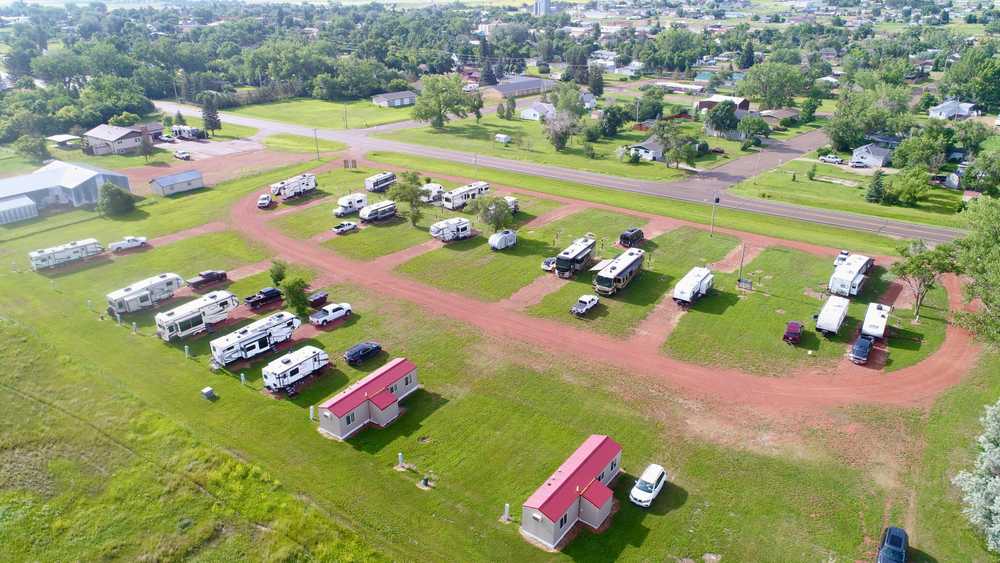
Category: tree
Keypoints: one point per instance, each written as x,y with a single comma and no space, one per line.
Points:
747,55
114,201
984,173
876,187
722,116
753,126
787,56
210,115
565,96
684,150
146,148
560,128
32,148
811,173
981,485
277,271
476,105
650,104
487,76
809,108
971,135
168,121
493,212
596,81
179,118
920,150
441,97
921,268
295,295
978,257
511,108
407,189
612,120
907,187
773,85
124,119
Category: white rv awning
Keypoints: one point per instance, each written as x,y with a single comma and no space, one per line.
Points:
601,265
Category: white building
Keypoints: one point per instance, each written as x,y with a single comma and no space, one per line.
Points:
538,111
111,139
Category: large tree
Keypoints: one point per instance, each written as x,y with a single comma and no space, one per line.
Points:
920,269
772,85
113,201
32,148
722,116
210,115
559,128
753,126
984,174
971,135
492,211
441,98
595,82
407,189
981,485
978,258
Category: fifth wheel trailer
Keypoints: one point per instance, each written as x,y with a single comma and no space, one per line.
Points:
64,253
849,276
195,316
694,285
350,203
282,374
144,293
380,182
256,338
618,273
294,186
575,257
831,316
456,228
460,196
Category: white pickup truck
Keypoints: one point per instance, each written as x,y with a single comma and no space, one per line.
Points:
127,243
330,313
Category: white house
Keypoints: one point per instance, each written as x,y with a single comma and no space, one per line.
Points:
872,155
650,149
395,99
111,139
538,111
952,109
588,100
374,399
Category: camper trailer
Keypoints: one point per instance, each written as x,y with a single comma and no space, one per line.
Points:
294,186
378,211
503,239
144,293
456,228
831,316
460,196
618,273
380,182
849,277
256,338
876,320
431,192
186,132
284,373
195,316
64,253
693,286
350,203
576,257
513,203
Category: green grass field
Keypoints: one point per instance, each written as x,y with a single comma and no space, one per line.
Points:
796,130
326,115
669,257
297,143
836,188
229,131
112,161
12,164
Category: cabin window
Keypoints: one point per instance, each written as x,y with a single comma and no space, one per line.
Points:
536,517
601,476
326,414
392,388
293,372
406,381
349,419
614,462
562,521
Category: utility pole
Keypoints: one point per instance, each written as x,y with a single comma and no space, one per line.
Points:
637,110
316,139
715,203
743,254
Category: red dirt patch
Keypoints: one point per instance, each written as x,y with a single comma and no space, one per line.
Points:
534,292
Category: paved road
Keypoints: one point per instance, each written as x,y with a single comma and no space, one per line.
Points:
700,188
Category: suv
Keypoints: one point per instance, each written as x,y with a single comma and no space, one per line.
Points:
264,201
862,349
793,333
207,277
648,486
263,297
892,548
361,352
631,237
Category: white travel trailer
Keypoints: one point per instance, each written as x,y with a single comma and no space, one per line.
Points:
380,182
294,186
256,338
876,320
831,316
693,286
575,257
460,196
64,253
378,211
513,203
849,277
350,203
144,293
503,239
185,132
431,192
282,374
618,273
195,316
456,228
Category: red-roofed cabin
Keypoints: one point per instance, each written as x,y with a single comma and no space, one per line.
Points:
371,400
577,491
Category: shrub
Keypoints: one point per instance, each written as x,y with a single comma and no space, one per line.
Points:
592,132
702,148
788,122
825,150
811,174
114,201
588,151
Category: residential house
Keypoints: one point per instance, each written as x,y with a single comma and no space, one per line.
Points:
153,130
538,111
651,149
577,492
829,80
774,117
953,109
588,100
395,99
523,86
716,99
828,54
373,400
58,183
872,155
111,139
178,183
679,88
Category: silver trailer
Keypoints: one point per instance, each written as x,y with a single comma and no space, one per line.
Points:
350,203
256,338
459,197
576,257
64,253
876,320
831,316
380,182
850,275
378,211
456,228
195,316
294,186
693,286
144,293
282,374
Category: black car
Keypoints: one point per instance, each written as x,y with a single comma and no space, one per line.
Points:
263,297
361,352
892,548
631,237
318,299
207,277
862,349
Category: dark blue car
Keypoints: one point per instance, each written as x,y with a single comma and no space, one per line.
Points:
893,546
862,349
361,352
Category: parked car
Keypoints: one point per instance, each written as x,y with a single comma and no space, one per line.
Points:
631,237
167,139
831,159
862,349
207,277
183,155
892,548
859,164
793,332
584,304
264,201
264,297
330,313
345,227
549,264
317,300
127,243
648,485
361,352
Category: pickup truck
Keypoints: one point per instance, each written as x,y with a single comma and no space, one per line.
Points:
584,304
263,297
127,243
330,313
206,278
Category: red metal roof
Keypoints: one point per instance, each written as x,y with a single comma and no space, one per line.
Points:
369,387
383,400
575,477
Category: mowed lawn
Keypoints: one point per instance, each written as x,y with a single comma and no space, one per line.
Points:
669,257
322,114
112,161
229,131
834,187
287,142
12,164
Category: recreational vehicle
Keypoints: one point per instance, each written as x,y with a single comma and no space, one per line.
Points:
256,338
195,316
378,211
849,277
431,192
186,132
513,204
576,257
64,253
380,182
831,316
876,320
456,228
503,239
284,373
294,186
350,203
144,293
693,286
616,274
460,196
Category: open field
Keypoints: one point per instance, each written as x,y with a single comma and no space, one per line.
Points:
789,132
12,164
327,115
112,161
229,131
297,143
835,187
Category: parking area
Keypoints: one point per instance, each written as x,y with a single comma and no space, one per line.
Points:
207,149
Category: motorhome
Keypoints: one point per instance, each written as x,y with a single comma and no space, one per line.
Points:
503,239
575,257
456,228
693,286
618,273
294,186
378,211
849,277
64,253
380,182
876,320
195,316
256,338
431,192
350,203
461,196
144,293
282,374
831,316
